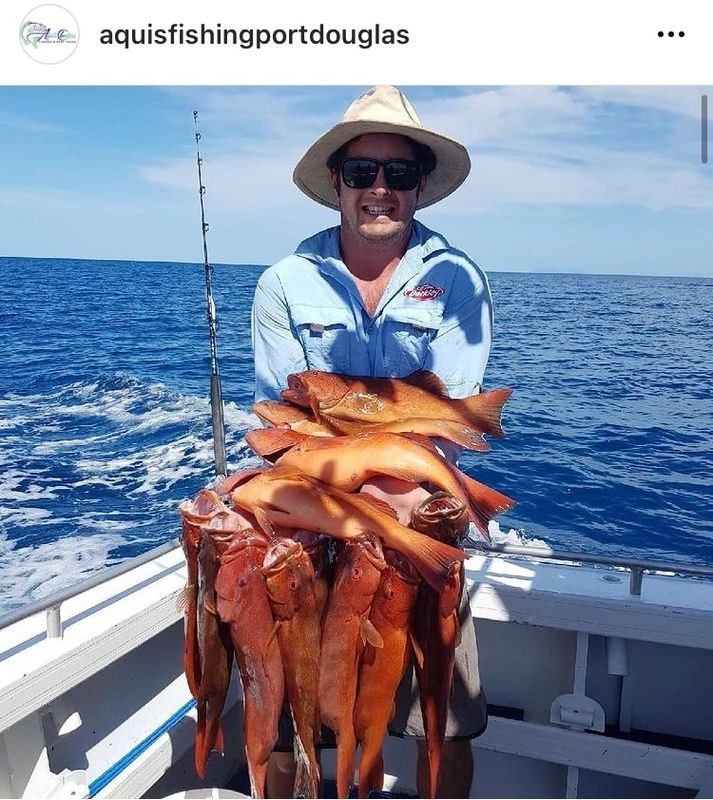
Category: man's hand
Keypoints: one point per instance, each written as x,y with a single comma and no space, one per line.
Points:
404,496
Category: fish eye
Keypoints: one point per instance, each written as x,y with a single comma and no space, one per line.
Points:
242,582
293,584
356,573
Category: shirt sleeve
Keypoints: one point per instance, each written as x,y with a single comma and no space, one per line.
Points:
276,349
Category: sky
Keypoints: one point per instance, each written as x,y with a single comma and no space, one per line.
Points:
564,179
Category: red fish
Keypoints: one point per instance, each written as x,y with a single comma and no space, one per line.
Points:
435,634
383,667
243,603
333,397
290,579
345,630
194,513
216,656
282,496
346,462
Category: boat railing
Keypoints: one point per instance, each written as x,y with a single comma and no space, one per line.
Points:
635,567
52,604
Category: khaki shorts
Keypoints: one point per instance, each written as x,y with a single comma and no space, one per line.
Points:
467,711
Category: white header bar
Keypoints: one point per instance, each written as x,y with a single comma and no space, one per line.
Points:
85,42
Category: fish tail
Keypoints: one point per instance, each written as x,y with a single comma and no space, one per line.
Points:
307,774
346,751
485,503
464,435
201,754
433,559
371,768
487,409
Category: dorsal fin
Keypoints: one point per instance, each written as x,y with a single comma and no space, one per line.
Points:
425,379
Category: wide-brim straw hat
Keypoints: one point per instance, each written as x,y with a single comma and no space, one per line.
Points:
383,109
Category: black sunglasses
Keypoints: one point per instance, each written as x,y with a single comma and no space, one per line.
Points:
400,175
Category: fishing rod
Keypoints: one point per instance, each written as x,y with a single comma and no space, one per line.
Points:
216,394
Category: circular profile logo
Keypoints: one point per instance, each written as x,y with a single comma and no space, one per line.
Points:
49,34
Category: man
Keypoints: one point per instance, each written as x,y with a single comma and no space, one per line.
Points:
381,295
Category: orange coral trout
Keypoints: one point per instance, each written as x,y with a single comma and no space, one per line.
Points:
285,415
421,395
435,634
317,547
290,579
243,603
345,630
348,461
194,513
382,668
284,496
216,657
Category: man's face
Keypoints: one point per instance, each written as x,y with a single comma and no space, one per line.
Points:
377,215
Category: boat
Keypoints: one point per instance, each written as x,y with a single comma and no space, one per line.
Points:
597,673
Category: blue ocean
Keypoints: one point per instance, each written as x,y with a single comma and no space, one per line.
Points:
105,416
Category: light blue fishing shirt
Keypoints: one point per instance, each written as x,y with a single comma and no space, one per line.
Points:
436,314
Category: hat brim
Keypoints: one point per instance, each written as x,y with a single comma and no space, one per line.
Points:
312,176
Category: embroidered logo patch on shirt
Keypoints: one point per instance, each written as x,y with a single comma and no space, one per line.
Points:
424,291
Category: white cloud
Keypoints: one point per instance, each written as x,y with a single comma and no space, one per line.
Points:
585,146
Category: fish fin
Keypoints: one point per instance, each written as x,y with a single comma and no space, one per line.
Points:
271,638
377,503
418,655
219,743
432,559
425,379
201,756
272,442
209,604
370,634
464,435
486,410
186,596
264,521
486,503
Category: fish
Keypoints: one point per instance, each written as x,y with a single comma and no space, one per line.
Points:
194,513
291,589
345,631
286,497
216,656
243,604
285,415
317,546
348,461
382,668
435,633
442,516
423,395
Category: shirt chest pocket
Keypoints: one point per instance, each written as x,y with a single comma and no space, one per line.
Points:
408,333
324,336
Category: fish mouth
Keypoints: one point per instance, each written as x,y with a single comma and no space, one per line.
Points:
279,554
370,545
441,516
248,537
